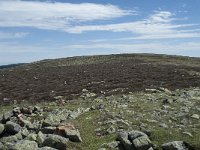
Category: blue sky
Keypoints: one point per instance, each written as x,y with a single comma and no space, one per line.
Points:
35,30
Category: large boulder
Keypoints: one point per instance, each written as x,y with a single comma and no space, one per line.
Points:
176,145
140,140
12,127
1,128
124,139
55,141
70,132
135,140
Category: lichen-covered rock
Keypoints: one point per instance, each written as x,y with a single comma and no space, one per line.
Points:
31,137
55,141
7,115
25,145
12,127
176,145
140,140
1,128
40,138
24,132
142,143
124,139
9,139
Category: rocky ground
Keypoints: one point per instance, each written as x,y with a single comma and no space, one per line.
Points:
154,119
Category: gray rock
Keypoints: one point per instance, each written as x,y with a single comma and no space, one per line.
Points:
7,115
1,118
124,139
1,146
195,116
140,140
12,127
69,131
142,143
163,125
46,148
9,139
55,141
1,128
25,145
48,130
40,138
24,132
135,134
175,145
31,137
113,145
37,109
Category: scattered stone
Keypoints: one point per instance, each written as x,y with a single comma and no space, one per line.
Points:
163,125
176,145
12,127
111,130
111,145
55,141
188,133
195,116
167,101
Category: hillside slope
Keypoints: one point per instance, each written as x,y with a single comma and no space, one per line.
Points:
112,74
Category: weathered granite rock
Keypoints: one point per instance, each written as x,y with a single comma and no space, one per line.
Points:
31,137
124,139
9,139
55,141
25,145
12,127
40,138
24,132
175,145
70,132
7,115
140,140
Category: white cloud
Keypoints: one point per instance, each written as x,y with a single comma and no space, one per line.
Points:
9,35
54,16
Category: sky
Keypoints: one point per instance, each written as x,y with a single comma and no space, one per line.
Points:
32,30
